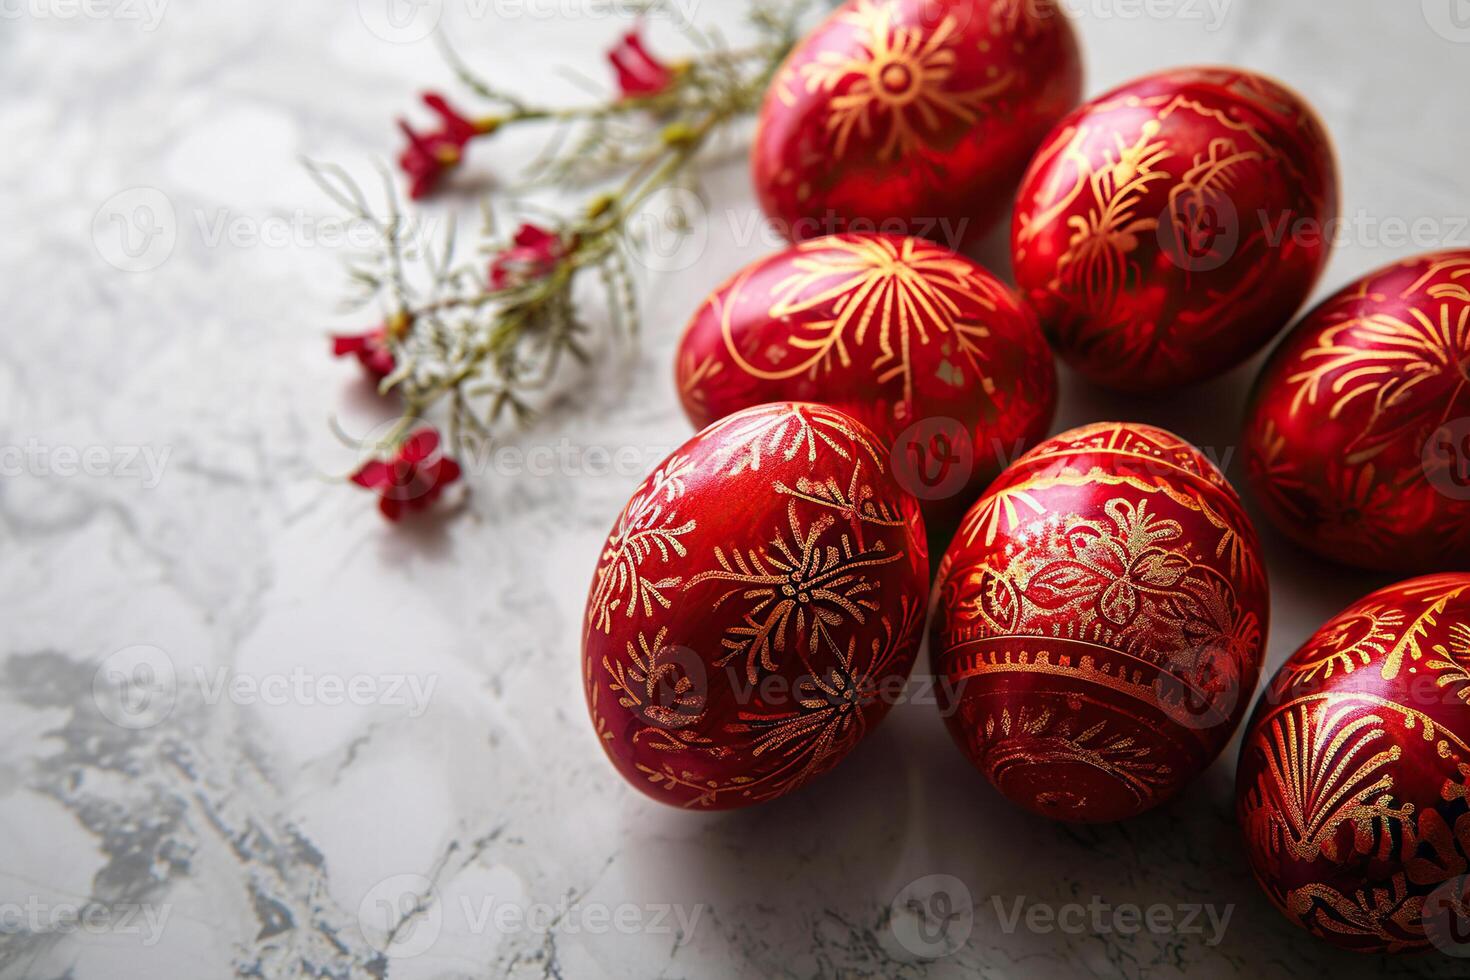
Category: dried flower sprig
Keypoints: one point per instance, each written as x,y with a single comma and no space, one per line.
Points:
482,338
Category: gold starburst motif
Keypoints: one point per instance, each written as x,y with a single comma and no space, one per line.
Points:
891,293
899,77
829,716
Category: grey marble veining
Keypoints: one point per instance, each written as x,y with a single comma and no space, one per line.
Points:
458,819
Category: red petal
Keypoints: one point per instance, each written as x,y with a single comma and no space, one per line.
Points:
419,446
449,471
343,344
639,73
534,236
392,509
373,475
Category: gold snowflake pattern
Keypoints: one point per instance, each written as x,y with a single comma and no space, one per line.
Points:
831,704
799,589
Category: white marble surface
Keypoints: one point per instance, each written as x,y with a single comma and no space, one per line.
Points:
262,831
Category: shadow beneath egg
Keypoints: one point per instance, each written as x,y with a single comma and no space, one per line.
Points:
821,870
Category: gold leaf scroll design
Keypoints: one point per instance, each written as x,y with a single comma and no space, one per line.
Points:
1355,916
798,590
1096,257
647,525
1037,735
1436,593
1009,507
1068,145
1327,765
649,675
900,74
878,286
828,719
1168,105
1115,584
1453,662
1102,241
1366,914
1136,682
1108,564
1280,477
1447,742
1389,361
749,440
693,374
1211,178
1353,639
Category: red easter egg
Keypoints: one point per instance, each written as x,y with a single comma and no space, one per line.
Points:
756,608
1099,622
1358,435
1168,229
912,116
1354,774
922,345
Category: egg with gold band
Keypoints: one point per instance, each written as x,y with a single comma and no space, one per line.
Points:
1099,622
922,345
1357,439
1168,229
1353,788
912,116
754,609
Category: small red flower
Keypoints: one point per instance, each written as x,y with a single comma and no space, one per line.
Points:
639,73
535,254
412,478
371,350
429,156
